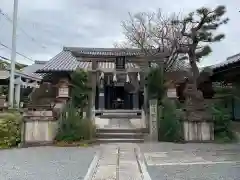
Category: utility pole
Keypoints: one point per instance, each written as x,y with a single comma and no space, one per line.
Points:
13,55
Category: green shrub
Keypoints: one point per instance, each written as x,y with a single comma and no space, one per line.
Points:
156,84
10,129
74,128
169,123
222,123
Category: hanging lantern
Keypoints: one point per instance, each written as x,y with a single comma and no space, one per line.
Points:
114,78
138,76
127,79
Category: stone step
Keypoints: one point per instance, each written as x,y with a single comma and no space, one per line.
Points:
120,140
120,135
118,130
120,116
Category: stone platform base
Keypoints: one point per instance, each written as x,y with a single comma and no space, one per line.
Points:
198,131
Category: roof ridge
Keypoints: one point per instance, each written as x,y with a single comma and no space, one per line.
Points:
109,49
230,57
40,62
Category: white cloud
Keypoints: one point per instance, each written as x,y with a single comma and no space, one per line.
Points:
96,23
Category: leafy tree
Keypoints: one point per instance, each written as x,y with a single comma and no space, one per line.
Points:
80,90
156,90
4,65
184,39
198,31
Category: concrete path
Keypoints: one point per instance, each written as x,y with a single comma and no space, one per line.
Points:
118,162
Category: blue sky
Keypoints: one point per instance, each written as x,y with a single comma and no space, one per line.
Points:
52,24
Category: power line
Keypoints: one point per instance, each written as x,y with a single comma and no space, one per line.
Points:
7,17
7,59
20,54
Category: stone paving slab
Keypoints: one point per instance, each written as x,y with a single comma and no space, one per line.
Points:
107,163
118,161
128,166
119,123
105,172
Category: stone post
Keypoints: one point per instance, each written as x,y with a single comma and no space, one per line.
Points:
145,105
135,101
153,120
93,92
17,95
101,102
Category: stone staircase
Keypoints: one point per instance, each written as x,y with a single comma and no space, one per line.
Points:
120,135
120,127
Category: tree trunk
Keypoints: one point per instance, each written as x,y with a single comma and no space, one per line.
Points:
194,67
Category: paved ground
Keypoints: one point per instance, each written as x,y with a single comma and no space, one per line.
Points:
118,161
165,161
45,163
192,161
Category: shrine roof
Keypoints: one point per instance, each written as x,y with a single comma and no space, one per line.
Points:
31,69
63,61
67,60
103,51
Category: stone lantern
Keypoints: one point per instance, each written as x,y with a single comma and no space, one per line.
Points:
3,103
63,89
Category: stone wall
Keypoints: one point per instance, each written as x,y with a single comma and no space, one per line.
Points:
40,125
198,131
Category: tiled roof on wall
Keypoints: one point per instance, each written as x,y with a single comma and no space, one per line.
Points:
230,60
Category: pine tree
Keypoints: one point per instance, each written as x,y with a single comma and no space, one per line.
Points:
198,31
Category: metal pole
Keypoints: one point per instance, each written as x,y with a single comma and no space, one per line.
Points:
13,55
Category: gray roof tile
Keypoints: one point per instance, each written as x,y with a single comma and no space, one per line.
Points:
31,69
67,61
64,61
230,60
104,51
